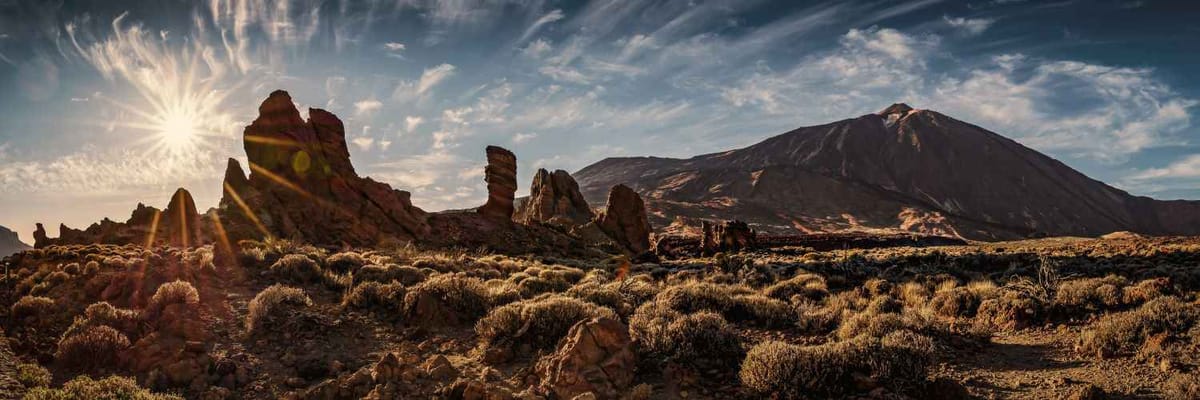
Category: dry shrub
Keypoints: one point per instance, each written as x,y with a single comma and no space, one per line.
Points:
33,375
467,297
532,286
32,306
703,338
1183,387
604,295
274,301
877,287
539,322
91,268
955,302
1012,310
760,310
177,292
72,268
384,299
914,294
1127,332
782,370
1089,294
806,285
405,275
1146,290
93,347
103,314
884,303
345,262
297,268
112,387
700,296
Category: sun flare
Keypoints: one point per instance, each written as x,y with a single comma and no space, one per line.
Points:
178,130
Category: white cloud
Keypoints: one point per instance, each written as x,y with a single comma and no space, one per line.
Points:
969,26
412,122
523,137
553,15
433,76
394,46
537,48
363,143
1187,167
367,107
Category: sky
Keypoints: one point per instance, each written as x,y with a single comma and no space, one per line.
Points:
105,104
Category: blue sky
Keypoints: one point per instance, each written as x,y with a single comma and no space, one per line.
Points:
107,104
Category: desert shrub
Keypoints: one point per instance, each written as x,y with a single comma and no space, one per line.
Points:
532,286
33,375
271,303
345,262
788,371
914,294
104,314
439,264
1089,294
91,268
1183,387
539,322
177,292
877,287
297,268
1146,290
110,388
96,346
884,303
637,289
405,275
805,285
385,299
467,297
1012,310
560,273
700,296
699,339
607,296
32,306
760,310
955,302
1126,332
72,268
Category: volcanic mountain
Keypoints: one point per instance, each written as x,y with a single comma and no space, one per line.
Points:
901,169
9,243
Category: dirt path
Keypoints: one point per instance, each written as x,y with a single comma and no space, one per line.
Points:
1040,364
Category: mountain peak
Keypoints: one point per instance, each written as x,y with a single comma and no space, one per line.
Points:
897,108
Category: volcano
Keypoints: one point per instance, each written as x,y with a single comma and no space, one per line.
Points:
901,170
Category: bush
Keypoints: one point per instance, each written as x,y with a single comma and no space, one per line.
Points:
1183,387
33,375
789,371
385,299
698,339
273,302
1126,332
405,275
532,286
345,262
539,322
1089,294
604,295
297,268
956,302
1012,310
110,388
98,314
177,292
466,297
96,346
806,285
31,306
760,310
692,297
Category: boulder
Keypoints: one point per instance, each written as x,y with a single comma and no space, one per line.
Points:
180,223
554,199
595,357
501,177
624,220
727,236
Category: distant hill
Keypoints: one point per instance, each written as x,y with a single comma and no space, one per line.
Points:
901,169
10,243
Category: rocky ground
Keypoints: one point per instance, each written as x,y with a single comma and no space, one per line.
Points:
1050,318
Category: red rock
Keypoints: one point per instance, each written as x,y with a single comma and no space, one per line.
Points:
624,220
554,199
501,177
595,357
726,236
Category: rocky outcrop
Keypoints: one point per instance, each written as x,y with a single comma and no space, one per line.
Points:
726,236
595,357
10,243
303,186
624,220
554,199
501,177
180,225
181,222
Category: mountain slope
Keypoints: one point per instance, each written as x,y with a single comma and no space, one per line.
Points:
899,169
10,243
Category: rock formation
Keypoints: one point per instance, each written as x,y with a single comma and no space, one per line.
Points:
595,357
302,185
554,199
10,243
726,236
902,170
180,223
501,177
624,220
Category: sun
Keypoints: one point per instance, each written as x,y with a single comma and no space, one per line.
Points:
177,130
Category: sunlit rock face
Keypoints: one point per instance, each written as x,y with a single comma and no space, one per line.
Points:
501,177
303,186
554,199
624,220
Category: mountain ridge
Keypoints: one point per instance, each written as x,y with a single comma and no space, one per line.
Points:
928,172
10,243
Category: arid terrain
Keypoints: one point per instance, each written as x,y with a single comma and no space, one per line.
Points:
1049,318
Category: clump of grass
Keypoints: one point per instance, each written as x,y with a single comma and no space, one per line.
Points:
381,298
808,286
447,299
1012,310
345,262
112,387
756,309
33,375
602,294
103,314
273,302
177,292
699,339
93,347
1126,332
539,322
405,275
297,268
32,306
788,371
1183,387
1089,294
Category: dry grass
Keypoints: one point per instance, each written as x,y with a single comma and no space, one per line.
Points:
898,360
177,292
273,302
381,298
93,347
1126,332
467,297
702,338
33,375
537,323
110,388
32,306
297,268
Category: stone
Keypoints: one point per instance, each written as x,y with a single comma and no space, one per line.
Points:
624,220
40,240
555,199
727,236
595,357
180,223
501,177
439,368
